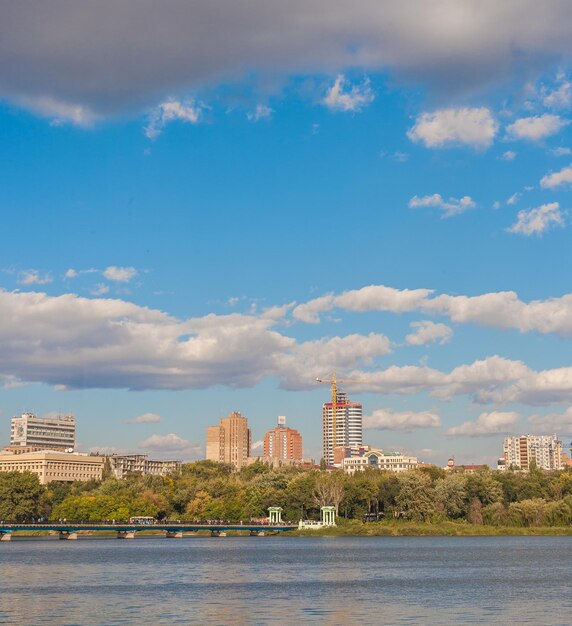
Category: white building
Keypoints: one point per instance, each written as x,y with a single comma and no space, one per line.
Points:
125,464
378,459
348,426
44,433
521,452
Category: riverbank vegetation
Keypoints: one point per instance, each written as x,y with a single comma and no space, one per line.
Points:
407,503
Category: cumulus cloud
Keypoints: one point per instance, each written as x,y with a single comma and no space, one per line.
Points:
474,127
502,310
427,332
71,273
559,98
171,111
537,221
260,112
560,423
560,151
386,419
99,290
34,277
108,57
450,207
509,155
170,443
487,424
536,127
353,98
120,274
555,179
145,418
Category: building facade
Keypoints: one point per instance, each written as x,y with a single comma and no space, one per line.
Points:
45,433
230,441
349,426
525,451
123,465
52,466
283,443
359,458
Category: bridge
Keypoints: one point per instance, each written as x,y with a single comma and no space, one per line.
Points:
69,530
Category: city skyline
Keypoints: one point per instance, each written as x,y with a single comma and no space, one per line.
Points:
304,190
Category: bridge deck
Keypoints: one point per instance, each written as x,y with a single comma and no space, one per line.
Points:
167,527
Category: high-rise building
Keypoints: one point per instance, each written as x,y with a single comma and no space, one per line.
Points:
348,425
524,451
43,433
283,442
230,441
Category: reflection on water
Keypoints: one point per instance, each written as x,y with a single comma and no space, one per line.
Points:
287,580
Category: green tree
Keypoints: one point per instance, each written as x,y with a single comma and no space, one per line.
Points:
416,497
21,496
451,495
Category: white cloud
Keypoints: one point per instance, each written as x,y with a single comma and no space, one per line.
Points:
426,332
354,98
450,207
34,277
261,112
257,445
560,98
59,111
145,418
475,127
71,273
514,198
536,127
560,423
537,221
387,419
120,274
171,111
555,179
560,151
165,443
99,290
509,155
487,424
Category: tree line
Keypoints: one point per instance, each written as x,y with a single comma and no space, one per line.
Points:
205,490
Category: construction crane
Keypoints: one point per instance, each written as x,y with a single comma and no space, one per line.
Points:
333,381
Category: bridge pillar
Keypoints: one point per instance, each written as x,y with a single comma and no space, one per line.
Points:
174,534
218,533
5,536
66,534
126,534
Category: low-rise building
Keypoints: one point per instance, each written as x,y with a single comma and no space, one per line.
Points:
464,468
52,466
283,443
362,457
123,465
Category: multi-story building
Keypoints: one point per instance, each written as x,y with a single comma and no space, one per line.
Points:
283,442
230,441
45,433
123,465
52,466
359,458
527,450
348,426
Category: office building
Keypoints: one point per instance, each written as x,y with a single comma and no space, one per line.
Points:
348,426
525,451
230,441
123,465
283,443
53,466
44,433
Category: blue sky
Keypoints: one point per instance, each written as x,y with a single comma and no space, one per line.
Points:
210,223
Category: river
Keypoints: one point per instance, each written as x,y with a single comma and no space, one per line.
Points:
287,580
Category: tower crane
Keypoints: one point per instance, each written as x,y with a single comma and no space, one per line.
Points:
333,381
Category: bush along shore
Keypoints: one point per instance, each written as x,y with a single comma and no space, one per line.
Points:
427,501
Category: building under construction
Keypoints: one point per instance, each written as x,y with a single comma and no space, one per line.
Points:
341,425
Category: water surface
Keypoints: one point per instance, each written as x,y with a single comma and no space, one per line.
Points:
287,580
